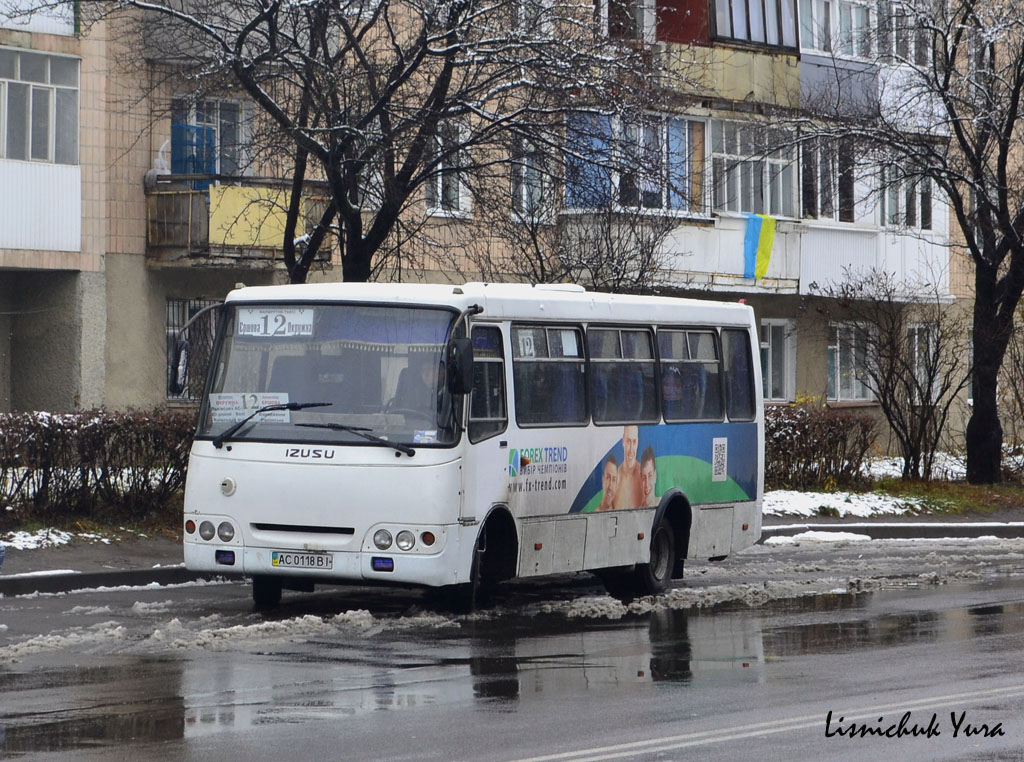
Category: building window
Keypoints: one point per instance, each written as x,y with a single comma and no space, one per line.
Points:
778,359
842,27
445,190
209,137
902,37
534,17
905,202
547,373
38,107
847,362
528,182
828,181
747,178
628,19
487,412
922,345
659,162
622,386
771,22
192,371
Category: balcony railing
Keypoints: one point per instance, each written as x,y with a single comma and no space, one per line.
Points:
217,219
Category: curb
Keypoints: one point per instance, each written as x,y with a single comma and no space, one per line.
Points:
904,530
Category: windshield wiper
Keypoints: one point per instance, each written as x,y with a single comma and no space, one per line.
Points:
363,432
220,439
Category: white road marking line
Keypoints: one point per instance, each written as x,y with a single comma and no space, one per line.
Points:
738,732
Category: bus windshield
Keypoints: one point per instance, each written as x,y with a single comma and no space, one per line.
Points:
376,370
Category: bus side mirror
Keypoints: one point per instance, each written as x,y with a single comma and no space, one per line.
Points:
460,366
179,367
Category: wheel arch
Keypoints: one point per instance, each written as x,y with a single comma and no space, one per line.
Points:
498,542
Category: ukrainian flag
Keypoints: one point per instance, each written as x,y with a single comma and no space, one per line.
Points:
757,245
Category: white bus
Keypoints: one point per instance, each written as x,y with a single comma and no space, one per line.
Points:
462,435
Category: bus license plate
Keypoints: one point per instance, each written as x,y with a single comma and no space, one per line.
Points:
295,560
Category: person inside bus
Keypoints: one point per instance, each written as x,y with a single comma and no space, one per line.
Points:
609,483
630,491
416,390
648,477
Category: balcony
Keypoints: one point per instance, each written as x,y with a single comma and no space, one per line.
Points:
222,221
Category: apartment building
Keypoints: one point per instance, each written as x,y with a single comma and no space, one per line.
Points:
128,207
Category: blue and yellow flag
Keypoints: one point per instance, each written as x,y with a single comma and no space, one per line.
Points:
757,245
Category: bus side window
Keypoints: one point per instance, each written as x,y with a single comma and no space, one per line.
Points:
547,374
622,384
690,377
739,377
487,412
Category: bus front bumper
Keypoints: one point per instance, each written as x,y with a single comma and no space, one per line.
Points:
342,567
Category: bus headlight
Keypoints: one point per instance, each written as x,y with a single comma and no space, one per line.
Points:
206,530
382,539
225,531
405,540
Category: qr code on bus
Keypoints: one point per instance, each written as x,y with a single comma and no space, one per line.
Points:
719,459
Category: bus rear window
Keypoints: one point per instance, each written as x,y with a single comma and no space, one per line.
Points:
739,374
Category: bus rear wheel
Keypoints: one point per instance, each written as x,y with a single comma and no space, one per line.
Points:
650,578
653,577
266,591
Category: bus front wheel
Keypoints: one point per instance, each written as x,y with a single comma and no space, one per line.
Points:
266,591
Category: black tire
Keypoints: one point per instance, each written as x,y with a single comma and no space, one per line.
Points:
653,577
266,591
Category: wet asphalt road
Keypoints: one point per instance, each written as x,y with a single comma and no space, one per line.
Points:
193,673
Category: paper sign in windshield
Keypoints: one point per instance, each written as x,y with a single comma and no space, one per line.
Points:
275,321
228,408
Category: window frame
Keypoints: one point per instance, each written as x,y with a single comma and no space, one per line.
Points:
642,21
183,105
581,360
54,148
788,352
726,371
833,391
832,198
724,17
529,184
906,203
434,191
854,42
681,161
623,361
729,168
474,435
716,338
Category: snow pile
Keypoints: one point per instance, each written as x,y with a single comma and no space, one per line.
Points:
44,538
817,537
785,502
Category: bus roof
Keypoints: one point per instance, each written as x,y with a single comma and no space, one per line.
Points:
520,301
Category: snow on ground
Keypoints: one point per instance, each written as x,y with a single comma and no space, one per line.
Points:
862,505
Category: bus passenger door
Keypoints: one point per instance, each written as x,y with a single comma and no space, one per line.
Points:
485,468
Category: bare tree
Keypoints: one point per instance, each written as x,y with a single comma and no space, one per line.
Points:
939,107
397,105
914,358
